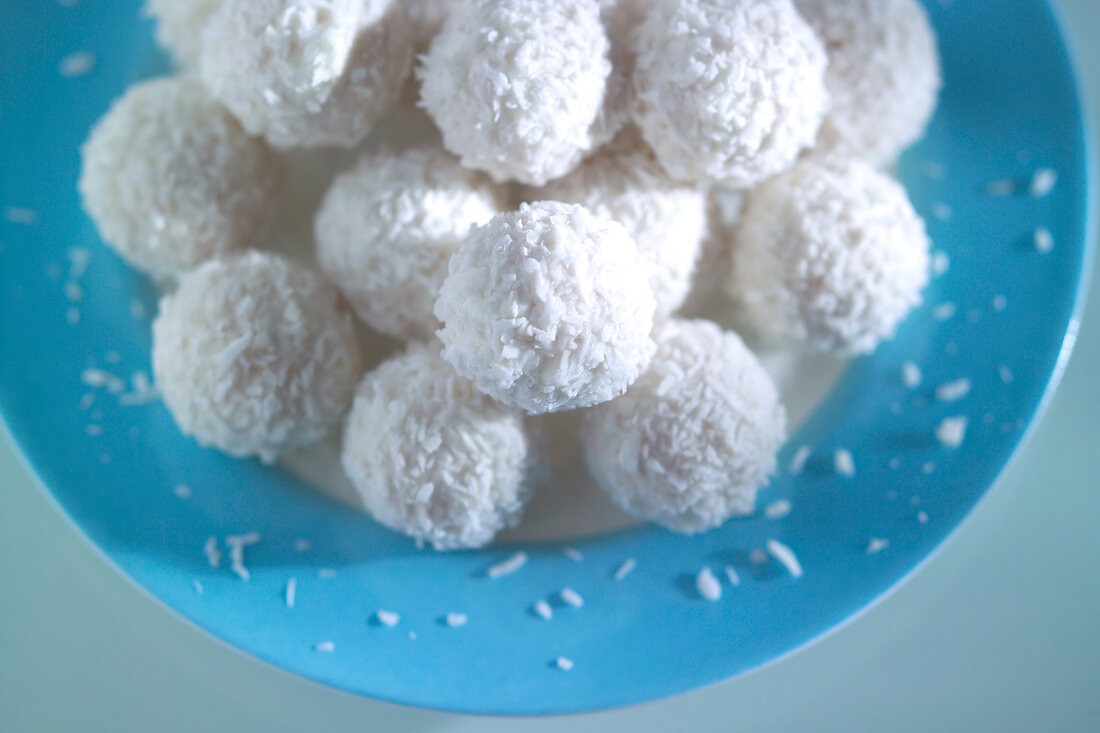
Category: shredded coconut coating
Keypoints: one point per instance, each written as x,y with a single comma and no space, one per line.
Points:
690,444
387,229
548,308
883,77
170,178
307,73
729,91
831,255
179,26
724,206
516,86
433,457
255,355
666,219
620,19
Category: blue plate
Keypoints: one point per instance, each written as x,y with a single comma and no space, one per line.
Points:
1009,108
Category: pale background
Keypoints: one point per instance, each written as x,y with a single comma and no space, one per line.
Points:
1001,632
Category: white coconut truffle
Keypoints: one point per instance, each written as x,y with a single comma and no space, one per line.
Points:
692,441
883,77
666,219
179,26
387,229
830,255
433,457
170,178
255,355
307,73
426,18
548,308
621,19
516,86
729,91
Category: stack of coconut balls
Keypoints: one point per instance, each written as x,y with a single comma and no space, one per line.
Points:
602,163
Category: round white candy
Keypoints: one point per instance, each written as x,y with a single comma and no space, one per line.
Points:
387,229
433,457
666,219
516,86
170,178
692,441
729,91
883,76
307,73
180,24
832,255
548,308
255,355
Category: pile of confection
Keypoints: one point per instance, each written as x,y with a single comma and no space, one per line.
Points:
604,167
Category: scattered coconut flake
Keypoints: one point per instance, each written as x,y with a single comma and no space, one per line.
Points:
197,586
412,636
798,461
732,576
953,391
507,567
843,463
1005,373
707,585
99,378
542,608
914,500
326,573
79,259
1001,187
952,431
758,556
571,597
1042,182
454,620
236,544
87,401
1044,240
72,316
183,491
1000,302
944,311
876,545
910,375
213,554
137,309
94,430
928,468
940,262
17,215
387,618
73,291
895,408
302,545
895,464
291,591
564,664
324,646
777,509
626,568
922,517
785,556
933,170
77,64
573,554
942,211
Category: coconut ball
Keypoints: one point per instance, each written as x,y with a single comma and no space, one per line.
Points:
254,355
170,178
692,441
387,229
516,86
620,19
666,219
729,91
180,24
426,19
433,457
307,73
829,254
548,308
883,77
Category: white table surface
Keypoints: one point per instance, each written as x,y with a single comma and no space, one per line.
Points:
1000,632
